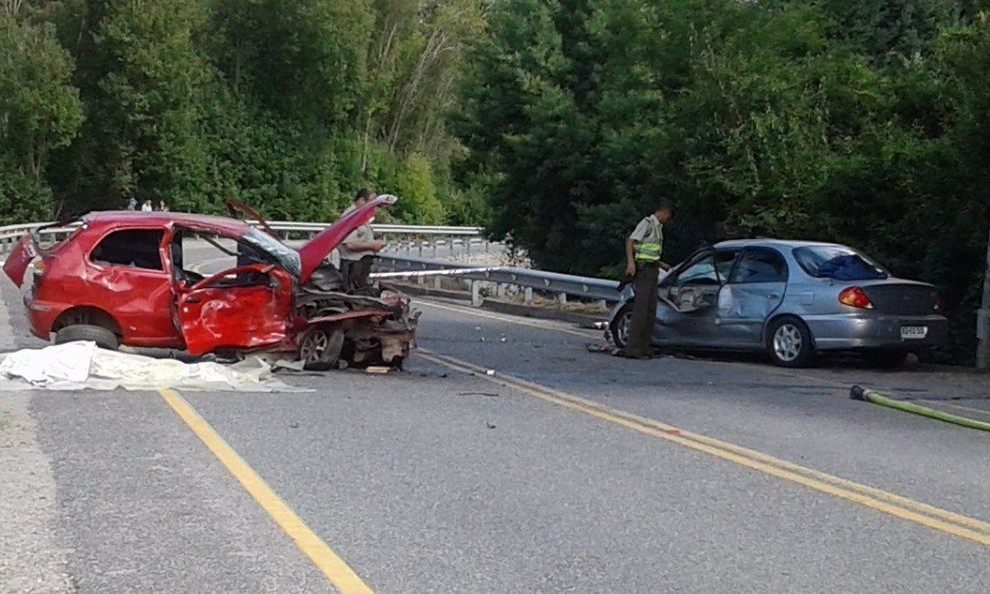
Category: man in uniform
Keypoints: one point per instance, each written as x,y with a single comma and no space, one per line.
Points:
643,249
358,249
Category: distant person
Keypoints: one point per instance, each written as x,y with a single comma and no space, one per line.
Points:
146,207
358,250
132,203
162,207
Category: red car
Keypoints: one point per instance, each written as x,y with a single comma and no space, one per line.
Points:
123,277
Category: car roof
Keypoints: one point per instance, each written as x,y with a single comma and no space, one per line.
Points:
782,244
135,217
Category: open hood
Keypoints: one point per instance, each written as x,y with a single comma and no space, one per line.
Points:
319,247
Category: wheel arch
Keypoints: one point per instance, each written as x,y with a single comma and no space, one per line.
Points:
86,314
779,315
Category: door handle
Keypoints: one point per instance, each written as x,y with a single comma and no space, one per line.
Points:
773,296
193,300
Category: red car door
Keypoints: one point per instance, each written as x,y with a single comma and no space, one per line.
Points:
244,307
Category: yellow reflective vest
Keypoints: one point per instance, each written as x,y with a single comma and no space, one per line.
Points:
649,249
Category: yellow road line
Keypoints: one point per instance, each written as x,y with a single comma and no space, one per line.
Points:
333,567
510,320
593,334
896,505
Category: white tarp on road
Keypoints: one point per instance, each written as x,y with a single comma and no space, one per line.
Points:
79,365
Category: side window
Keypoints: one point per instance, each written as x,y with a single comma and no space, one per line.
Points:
701,272
724,261
712,269
200,254
759,266
130,247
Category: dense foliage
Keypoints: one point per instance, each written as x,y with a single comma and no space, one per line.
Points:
859,121
556,121
288,106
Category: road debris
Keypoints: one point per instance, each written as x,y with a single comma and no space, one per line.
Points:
600,348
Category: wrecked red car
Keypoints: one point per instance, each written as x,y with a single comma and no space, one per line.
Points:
209,284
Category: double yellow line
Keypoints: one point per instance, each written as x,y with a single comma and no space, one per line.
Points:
895,505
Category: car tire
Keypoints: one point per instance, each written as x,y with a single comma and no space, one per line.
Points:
619,327
320,347
789,343
886,359
104,338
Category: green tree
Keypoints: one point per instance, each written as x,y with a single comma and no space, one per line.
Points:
39,112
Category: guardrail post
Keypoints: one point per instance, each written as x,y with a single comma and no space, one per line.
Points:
528,296
562,298
436,282
421,242
500,290
476,293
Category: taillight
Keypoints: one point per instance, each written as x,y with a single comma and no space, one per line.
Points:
38,270
855,297
938,303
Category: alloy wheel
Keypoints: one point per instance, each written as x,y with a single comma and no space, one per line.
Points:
788,342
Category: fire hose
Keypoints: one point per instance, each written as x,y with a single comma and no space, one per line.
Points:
860,393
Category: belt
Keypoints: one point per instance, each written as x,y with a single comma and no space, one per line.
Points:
647,264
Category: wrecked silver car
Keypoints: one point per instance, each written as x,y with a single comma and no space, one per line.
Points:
792,300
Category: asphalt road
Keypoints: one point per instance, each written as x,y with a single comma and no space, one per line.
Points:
561,471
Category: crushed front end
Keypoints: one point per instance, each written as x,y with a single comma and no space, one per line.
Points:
377,328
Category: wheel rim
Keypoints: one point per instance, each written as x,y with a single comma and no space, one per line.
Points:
314,346
622,328
788,342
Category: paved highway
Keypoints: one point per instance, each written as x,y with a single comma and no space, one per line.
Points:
561,471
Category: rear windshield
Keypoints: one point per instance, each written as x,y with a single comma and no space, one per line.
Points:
840,263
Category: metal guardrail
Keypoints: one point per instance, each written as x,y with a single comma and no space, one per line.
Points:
294,230
561,285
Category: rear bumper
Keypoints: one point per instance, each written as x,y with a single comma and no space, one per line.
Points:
856,331
41,314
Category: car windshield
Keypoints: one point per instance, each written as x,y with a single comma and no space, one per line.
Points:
287,257
840,263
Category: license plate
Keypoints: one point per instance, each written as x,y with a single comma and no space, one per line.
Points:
913,332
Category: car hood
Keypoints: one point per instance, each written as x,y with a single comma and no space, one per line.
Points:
311,254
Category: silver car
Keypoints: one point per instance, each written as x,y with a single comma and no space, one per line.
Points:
791,299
